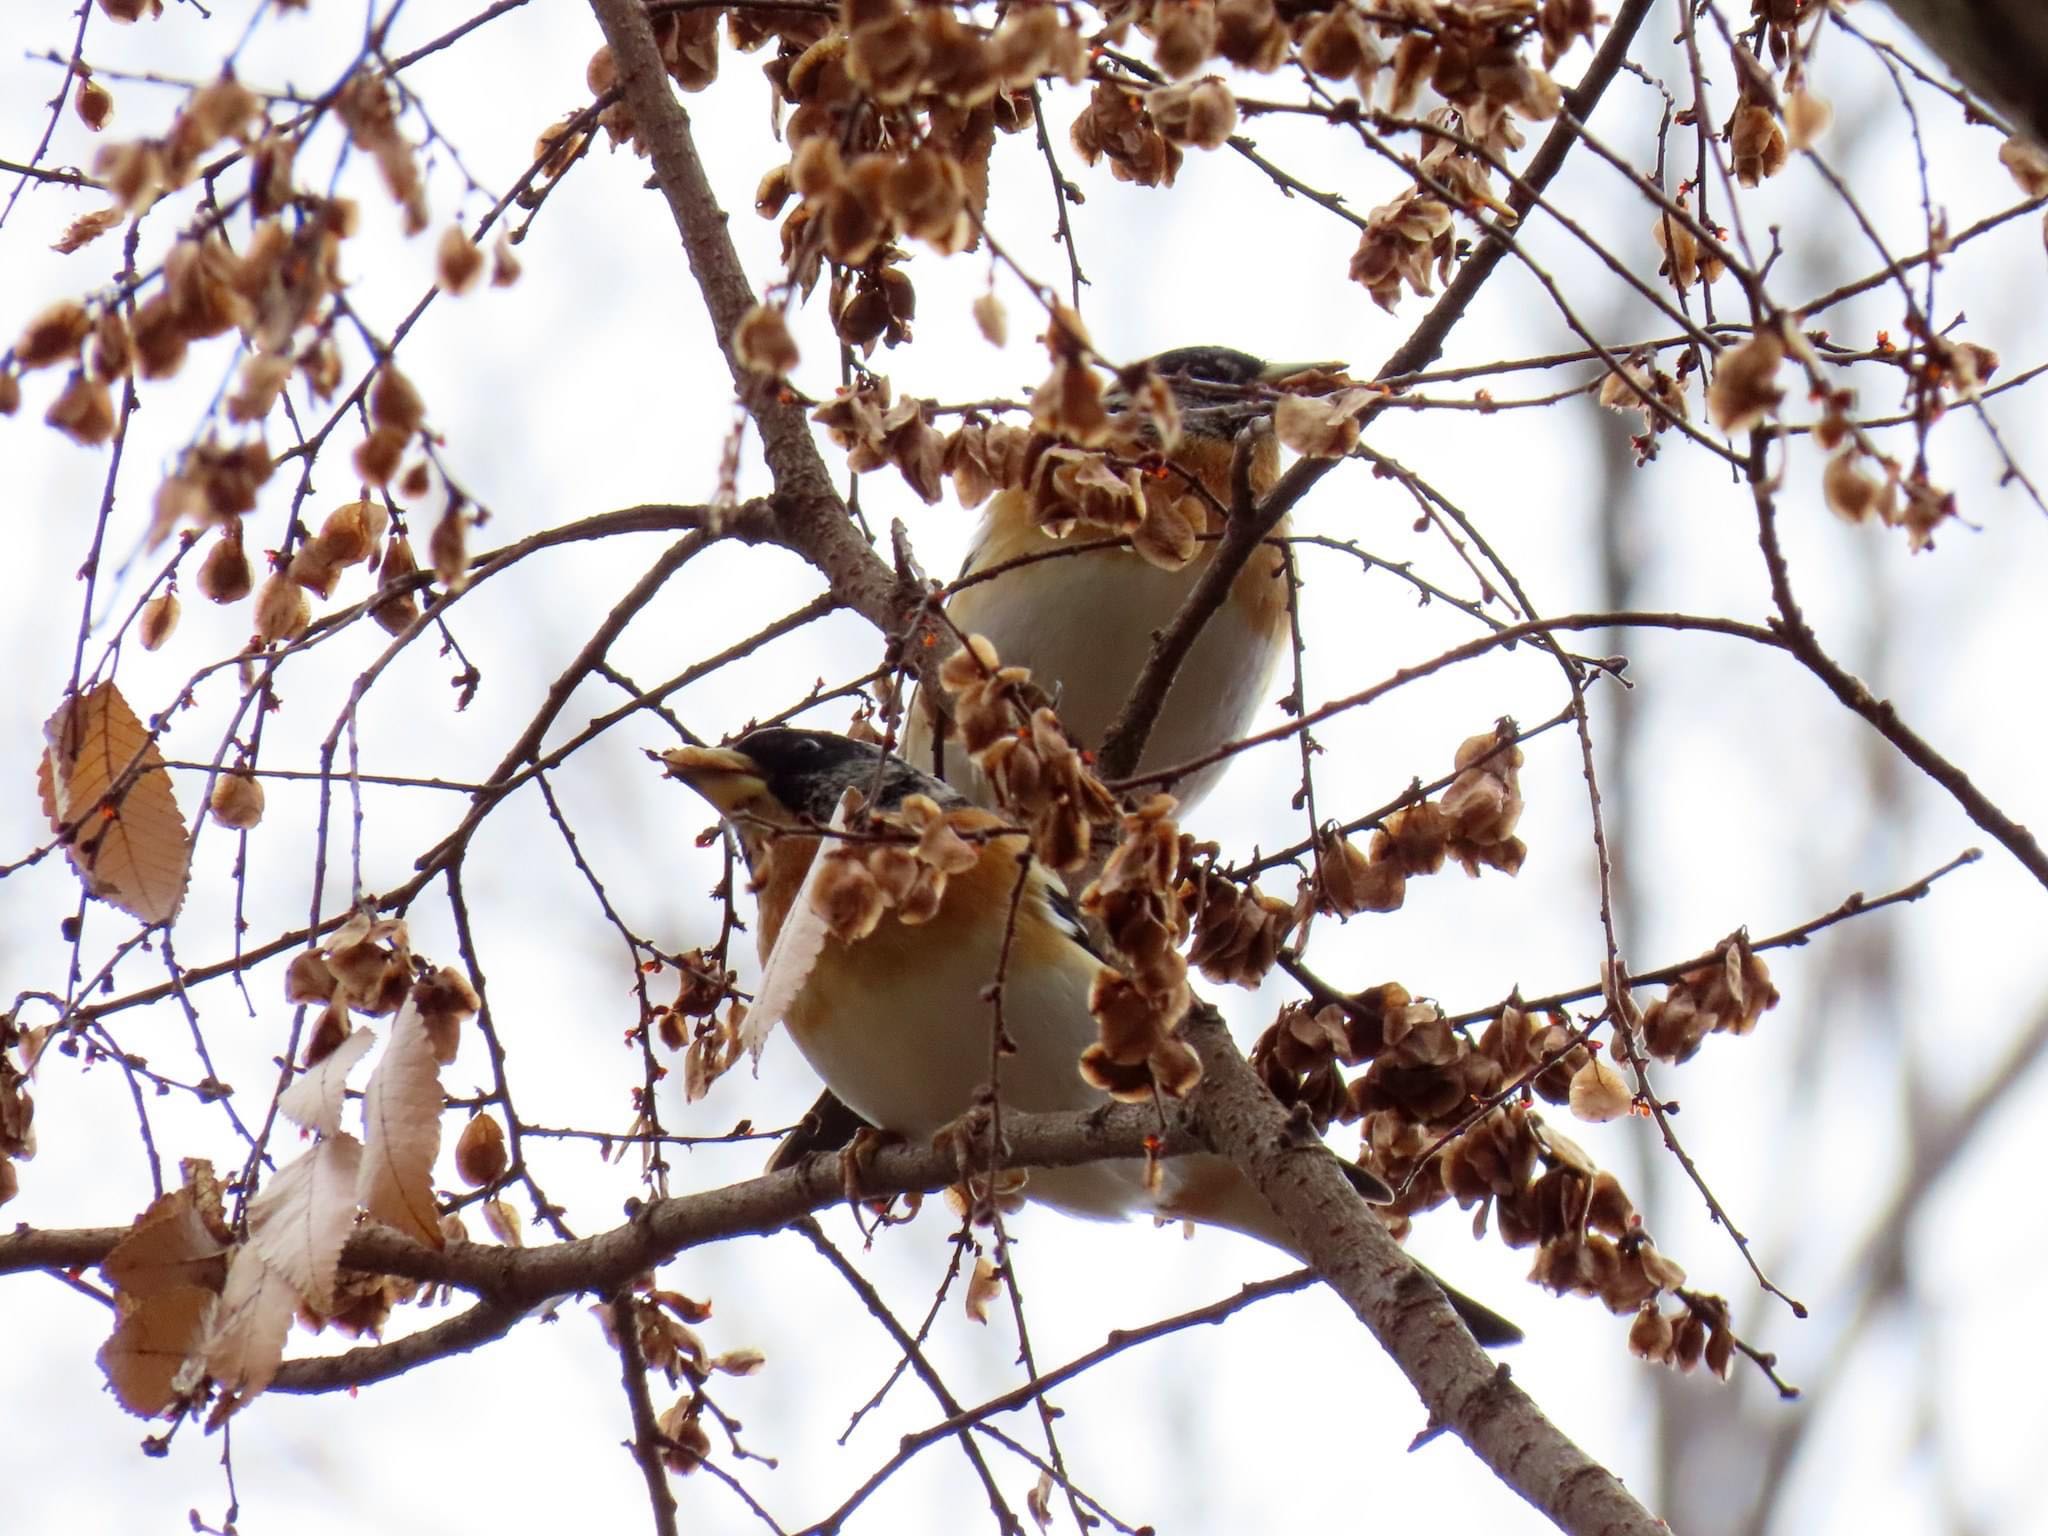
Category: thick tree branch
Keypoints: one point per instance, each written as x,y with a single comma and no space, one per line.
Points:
520,1278
1465,1391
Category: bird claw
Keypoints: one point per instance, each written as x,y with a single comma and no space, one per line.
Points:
858,1156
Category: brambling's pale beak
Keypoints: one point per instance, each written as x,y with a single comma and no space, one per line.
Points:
730,780
1275,373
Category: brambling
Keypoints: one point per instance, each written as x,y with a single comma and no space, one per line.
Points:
1084,624
897,1021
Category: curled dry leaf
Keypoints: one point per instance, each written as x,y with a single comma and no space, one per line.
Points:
501,1218
103,783
991,320
158,621
685,1443
983,1288
1807,117
1199,112
402,1132
86,228
457,261
1852,493
1744,390
505,267
1320,428
55,335
225,575
738,1362
314,1100
1039,1500
448,549
84,411
1757,149
480,1154
283,611
2027,163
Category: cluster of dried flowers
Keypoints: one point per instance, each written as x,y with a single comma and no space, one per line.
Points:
277,291
665,1323
1445,1117
1033,768
366,966
17,1105
1136,900
710,1041
1038,777
1095,460
1472,824
902,868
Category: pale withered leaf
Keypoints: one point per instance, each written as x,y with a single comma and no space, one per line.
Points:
314,1101
402,1132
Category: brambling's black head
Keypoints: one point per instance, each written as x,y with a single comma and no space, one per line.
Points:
1218,389
781,773
1214,365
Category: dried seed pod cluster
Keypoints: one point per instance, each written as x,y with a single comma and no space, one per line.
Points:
367,966
874,432
1423,1081
369,108
665,1323
1136,900
1728,996
1473,823
1238,931
899,864
1034,769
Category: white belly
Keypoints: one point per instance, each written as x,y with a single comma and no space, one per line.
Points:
926,1070
1054,624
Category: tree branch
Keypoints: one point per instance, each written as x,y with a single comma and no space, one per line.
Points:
811,518
1464,1390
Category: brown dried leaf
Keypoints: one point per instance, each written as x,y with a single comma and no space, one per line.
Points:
86,228
480,1155
244,1338
761,343
502,1220
2028,165
1743,391
237,801
457,261
149,1347
172,1246
131,851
